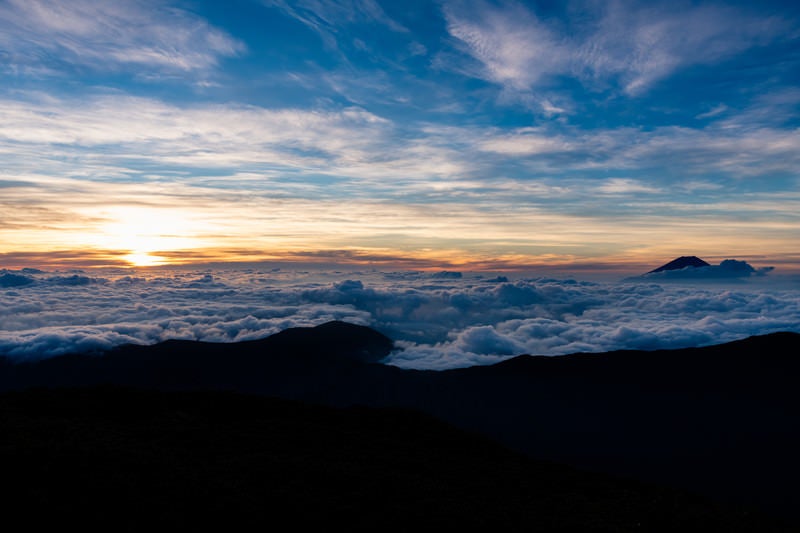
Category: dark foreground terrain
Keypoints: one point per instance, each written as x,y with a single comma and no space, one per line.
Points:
132,460
722,422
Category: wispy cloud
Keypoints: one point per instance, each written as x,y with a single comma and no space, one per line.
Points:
208,135
645,43
526,142
110,35
716,110
329,18
512,45
113,137
472,194
626,186
631,45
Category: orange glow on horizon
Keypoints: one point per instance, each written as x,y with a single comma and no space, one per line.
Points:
144,256
141,235
144,259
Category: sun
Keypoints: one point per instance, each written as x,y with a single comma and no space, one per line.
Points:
144,259
142,237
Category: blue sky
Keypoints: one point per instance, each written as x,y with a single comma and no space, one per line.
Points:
422,134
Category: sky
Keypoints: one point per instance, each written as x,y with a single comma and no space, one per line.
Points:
419,135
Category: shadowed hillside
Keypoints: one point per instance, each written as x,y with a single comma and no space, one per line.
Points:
721,421
127,460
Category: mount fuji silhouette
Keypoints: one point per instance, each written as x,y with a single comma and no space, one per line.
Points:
682,262
693,268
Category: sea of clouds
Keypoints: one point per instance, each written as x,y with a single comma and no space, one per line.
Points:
438,320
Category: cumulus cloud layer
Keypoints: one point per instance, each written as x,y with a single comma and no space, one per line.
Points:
438,321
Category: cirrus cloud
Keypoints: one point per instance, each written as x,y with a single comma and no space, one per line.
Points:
627,43
108,35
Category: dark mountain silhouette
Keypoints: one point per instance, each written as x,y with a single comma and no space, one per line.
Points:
125,459
680,263
720,421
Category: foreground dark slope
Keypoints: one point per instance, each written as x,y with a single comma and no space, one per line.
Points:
721,421
125,460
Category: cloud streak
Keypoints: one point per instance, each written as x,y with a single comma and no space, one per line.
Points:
117,136
110,35
83,168
329,18
632,45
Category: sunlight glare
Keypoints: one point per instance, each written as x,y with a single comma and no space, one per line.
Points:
144,235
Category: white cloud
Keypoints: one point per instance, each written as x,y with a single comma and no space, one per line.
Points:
526,142
632,44
513,46
140,129
626,186
439,322
108,35
328,17
715,111
107,137
649,44
71,167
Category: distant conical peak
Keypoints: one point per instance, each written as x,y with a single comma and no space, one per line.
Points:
682,262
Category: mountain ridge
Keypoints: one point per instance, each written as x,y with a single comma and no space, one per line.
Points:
719,420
